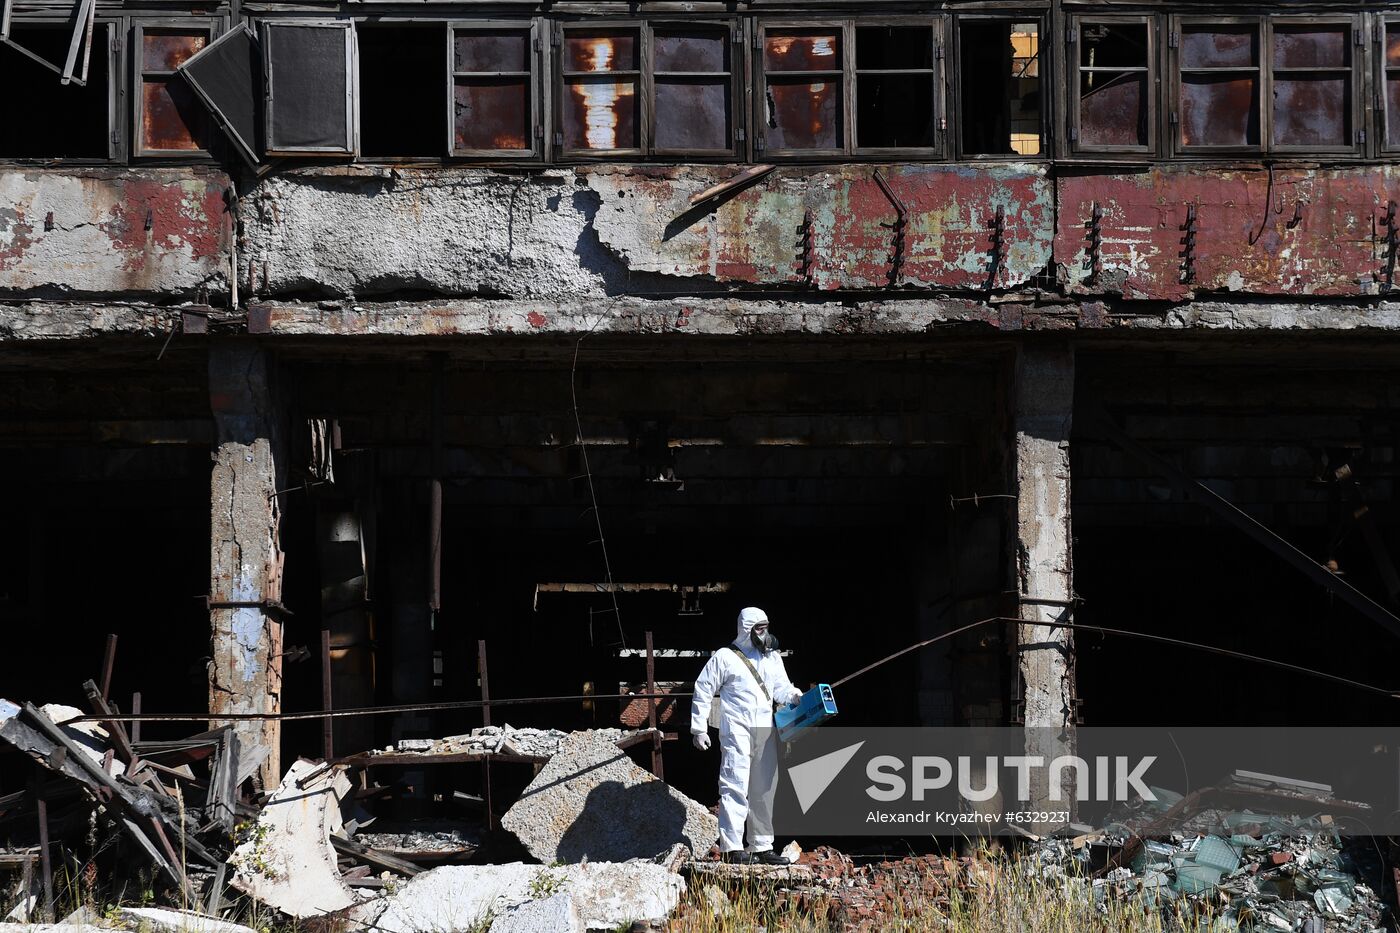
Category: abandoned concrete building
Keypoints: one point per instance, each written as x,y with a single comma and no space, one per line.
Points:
449,328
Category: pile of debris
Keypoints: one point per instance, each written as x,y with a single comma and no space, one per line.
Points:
174,802
1282,867
495,740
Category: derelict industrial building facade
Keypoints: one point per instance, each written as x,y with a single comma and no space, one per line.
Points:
410,321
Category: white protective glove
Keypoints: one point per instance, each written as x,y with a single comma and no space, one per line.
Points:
701,740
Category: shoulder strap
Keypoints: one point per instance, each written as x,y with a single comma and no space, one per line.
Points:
752,670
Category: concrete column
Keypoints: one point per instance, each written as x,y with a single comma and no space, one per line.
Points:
245,567
1044,404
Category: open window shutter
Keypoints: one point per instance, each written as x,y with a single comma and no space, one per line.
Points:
227,76
310,87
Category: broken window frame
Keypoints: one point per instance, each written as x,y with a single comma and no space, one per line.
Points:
535,79
1074,71
112,29
1039,17
214,29
82,34
247,149
351,148
849,74
1265,25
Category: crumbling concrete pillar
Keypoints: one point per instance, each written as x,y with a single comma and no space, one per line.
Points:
1044,404
245,566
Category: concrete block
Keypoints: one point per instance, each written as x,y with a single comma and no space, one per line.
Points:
287,861
591,801
603,895
557,914
160,920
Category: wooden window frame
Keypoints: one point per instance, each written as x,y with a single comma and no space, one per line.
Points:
734,36
645,75
1074,70
561,83
351,149
1357,147
849,73
1265,25
1381,94
213,27
536,84
1042,20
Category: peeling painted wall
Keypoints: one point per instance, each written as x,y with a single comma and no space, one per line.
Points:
1289,232
138,231
611,231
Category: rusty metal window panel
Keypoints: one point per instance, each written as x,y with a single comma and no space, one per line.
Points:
1000,100
168,118
1221,84
309,106
600,106
803,109
1112,84
227,76
494,110
898,86
49,119
692,89
1312,81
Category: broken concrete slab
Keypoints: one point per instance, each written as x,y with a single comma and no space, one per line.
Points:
557,914
160,920
591,801
286,860
605,895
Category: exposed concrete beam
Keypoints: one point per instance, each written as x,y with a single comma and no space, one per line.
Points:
1044,405
749,316
245,568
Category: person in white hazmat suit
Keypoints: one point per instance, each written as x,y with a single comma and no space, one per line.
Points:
748,676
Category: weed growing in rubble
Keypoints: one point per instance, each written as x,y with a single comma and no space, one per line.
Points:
992,894
546,884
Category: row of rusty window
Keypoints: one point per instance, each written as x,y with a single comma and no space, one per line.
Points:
824,89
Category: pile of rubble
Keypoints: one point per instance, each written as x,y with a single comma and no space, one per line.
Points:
495,740
1284,870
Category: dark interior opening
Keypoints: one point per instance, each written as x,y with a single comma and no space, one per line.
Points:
45,119
403,91
894,87
999,97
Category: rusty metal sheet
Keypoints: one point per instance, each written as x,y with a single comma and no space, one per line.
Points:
114,232
491,50
492,113
754,236
1306,233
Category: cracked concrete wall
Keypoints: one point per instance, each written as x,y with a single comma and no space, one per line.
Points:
68,232
245,670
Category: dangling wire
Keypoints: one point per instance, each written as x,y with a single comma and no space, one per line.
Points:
592,494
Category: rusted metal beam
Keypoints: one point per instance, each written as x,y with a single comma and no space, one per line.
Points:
1231,514
747,177
109,662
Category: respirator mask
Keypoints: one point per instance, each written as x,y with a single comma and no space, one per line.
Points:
765,641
